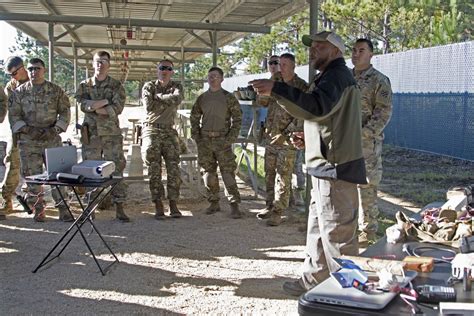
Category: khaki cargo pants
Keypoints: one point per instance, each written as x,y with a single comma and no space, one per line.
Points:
332,228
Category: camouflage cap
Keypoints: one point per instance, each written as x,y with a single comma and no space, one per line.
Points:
325,36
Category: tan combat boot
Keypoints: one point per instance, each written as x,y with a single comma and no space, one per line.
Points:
159,210
174,212
8,208
4,210
64,214
234,211
120,213
40,213
275,218
213,208
265,213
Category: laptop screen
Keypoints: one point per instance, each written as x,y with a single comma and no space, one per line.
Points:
60,159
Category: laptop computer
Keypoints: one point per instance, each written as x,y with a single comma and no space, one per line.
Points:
57,159
331,292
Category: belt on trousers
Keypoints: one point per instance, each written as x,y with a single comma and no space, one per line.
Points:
162,126
213,134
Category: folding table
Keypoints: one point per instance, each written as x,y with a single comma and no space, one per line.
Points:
104,187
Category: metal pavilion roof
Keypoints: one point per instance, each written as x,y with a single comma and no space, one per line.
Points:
141,32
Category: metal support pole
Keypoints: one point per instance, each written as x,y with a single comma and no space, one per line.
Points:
74,53
51,50
313,28
182,66
214,48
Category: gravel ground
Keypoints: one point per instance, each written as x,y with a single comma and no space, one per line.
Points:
198,264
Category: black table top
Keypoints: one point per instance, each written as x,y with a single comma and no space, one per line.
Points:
85,183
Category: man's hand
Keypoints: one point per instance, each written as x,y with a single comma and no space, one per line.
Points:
262,86
93,105
278,139
297,139
49,134
102,111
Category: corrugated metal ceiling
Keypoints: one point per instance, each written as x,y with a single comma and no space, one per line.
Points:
250,12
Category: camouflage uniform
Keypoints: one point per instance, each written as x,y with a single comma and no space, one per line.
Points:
12,172
44,123
376,105
214,137
105,136
160,139
280,155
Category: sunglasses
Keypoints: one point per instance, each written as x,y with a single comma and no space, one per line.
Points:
13,74
33,68
101,61
163,68
274,62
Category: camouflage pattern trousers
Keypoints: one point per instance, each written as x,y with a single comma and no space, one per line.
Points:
31,163
213,152
12,173
279,163
158,144
332,228
108,148
368,210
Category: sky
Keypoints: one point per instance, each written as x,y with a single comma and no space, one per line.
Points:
8,39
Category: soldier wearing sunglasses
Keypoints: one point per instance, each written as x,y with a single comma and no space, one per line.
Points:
39,111
280,154
17,72
161,99
102,99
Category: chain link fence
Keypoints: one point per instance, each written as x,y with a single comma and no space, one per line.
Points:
433,100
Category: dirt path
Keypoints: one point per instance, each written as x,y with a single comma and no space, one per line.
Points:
194,265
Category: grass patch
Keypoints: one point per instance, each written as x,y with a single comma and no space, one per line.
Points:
420,177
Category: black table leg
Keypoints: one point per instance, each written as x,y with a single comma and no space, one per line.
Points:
78,223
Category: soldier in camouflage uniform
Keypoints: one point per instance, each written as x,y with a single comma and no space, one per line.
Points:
102,100
17,72
376,105
265,101
279,152
161,99
216,119
3,113
39,111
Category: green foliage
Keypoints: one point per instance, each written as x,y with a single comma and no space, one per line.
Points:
285,37
403,24
200,69
132,91
27,48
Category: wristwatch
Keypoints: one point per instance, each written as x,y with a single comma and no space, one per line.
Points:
57,129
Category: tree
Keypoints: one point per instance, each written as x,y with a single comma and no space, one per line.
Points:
27,48
285,36
200,68
403,24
